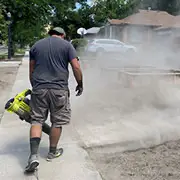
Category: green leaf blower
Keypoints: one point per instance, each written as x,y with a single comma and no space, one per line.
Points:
20,106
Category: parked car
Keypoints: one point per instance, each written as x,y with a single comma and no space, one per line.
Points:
109,45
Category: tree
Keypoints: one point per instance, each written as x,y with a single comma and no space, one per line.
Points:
28,19
115,9
68,17
172,7
80,18
3,25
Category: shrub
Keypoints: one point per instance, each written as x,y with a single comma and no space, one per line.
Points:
3,57
79,44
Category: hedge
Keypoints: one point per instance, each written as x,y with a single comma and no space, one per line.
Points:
79,44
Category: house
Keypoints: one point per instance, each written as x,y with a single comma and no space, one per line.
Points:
143,27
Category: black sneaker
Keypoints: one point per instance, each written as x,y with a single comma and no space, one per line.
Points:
33,163
51,156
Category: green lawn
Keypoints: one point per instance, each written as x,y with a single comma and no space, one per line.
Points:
19,53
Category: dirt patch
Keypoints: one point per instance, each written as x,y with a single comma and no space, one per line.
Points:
7,78
158,163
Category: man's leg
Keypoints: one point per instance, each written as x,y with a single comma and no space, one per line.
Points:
60,115
35,138
54,138
39,113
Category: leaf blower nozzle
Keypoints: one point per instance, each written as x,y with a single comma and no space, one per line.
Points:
20,106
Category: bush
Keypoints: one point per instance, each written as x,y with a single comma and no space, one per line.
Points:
79,44
3,56
20,51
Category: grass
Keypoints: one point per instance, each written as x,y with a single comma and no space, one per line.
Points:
19,54
20,51
3,56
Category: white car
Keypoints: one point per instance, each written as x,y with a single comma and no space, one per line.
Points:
109,45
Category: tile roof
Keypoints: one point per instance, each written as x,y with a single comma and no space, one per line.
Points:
149,18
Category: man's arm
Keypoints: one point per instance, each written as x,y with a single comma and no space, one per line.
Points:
31,69
31,65
77,71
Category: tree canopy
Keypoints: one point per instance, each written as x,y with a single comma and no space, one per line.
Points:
3,25
115,9
30,18
172,7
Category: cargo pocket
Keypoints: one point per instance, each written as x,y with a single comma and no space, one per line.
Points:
39,98
58,98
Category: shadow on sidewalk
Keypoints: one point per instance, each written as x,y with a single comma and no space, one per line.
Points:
19,150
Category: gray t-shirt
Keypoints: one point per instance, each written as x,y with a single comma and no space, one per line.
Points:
52,56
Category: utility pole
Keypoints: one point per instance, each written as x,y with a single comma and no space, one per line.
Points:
9,36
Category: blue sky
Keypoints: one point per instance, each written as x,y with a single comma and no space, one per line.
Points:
78,5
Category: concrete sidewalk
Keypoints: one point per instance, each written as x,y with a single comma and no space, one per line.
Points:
14,141
10,63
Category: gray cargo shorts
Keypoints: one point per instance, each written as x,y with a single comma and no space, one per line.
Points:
55,102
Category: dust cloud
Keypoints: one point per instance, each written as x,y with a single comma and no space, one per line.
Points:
134,90
141,83
129,96
126,97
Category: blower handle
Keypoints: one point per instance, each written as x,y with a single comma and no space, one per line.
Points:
28,92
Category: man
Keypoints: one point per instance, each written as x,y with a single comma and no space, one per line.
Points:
48,73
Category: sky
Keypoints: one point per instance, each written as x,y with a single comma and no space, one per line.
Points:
78,5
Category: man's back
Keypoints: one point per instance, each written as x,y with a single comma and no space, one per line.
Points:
48,75
52,56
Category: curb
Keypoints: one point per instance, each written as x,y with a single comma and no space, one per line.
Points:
134,145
